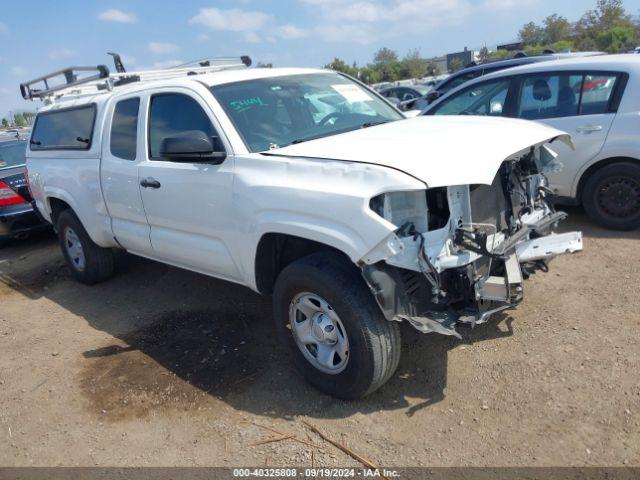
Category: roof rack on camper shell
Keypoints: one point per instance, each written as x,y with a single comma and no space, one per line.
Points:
74,83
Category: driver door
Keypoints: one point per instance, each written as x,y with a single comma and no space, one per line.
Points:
188,203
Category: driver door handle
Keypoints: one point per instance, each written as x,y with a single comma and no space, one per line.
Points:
149,182
589,128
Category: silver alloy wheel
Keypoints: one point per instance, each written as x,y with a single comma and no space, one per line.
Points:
74,248
319,333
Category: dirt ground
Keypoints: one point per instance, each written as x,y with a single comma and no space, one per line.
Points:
164,367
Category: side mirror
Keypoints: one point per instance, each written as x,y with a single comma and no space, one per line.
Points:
433,95
190,146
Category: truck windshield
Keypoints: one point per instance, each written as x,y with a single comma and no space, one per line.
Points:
278,111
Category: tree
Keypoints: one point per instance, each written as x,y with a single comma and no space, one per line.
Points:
412,65
455,64
19,120
385,63
385,56
5,123
616,39
483,54
340,65
531,34
607,15
611,13
556,28
369,75
28,117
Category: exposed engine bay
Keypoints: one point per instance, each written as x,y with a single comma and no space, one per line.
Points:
461,253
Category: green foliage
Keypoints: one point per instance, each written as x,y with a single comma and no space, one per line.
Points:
385,56
616,39
556,28
561,45
341,66
412,65
607,27
18,120
499,55
5,122
531,34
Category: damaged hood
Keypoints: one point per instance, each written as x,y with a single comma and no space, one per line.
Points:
439,150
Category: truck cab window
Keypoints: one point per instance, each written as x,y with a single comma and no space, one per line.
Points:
173,113
124,129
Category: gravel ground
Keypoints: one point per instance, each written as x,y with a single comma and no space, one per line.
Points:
164,367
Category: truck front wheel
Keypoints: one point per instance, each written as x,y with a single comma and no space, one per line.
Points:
88,262
328,318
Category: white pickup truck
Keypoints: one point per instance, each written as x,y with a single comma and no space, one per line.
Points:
305,185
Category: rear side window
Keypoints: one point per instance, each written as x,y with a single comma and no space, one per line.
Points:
173,113
124,129
67,129
597,90
566,94
550,96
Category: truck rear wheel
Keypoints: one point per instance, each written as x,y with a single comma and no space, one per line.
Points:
611,196
328,318
88,262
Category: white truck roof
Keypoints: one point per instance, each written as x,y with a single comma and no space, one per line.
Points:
100,87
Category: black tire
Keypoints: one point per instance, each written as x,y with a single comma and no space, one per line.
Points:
98,261
374,342
611,196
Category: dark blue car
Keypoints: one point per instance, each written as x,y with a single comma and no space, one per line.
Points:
17,217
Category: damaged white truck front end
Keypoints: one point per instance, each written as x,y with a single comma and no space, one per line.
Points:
458,251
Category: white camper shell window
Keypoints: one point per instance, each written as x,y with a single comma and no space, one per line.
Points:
64,129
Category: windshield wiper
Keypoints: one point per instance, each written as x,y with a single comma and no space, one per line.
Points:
373,124
336,132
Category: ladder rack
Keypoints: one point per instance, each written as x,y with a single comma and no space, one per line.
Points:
74,84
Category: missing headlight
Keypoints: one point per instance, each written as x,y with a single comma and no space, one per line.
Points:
438,206
400,208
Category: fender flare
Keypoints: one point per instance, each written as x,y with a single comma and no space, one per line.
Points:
339,236
99,232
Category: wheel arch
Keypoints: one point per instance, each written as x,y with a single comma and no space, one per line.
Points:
98,226
277,250
56,207
593,168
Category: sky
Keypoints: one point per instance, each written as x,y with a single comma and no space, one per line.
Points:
43,35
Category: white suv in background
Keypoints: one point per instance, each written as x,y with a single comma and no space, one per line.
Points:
597,101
